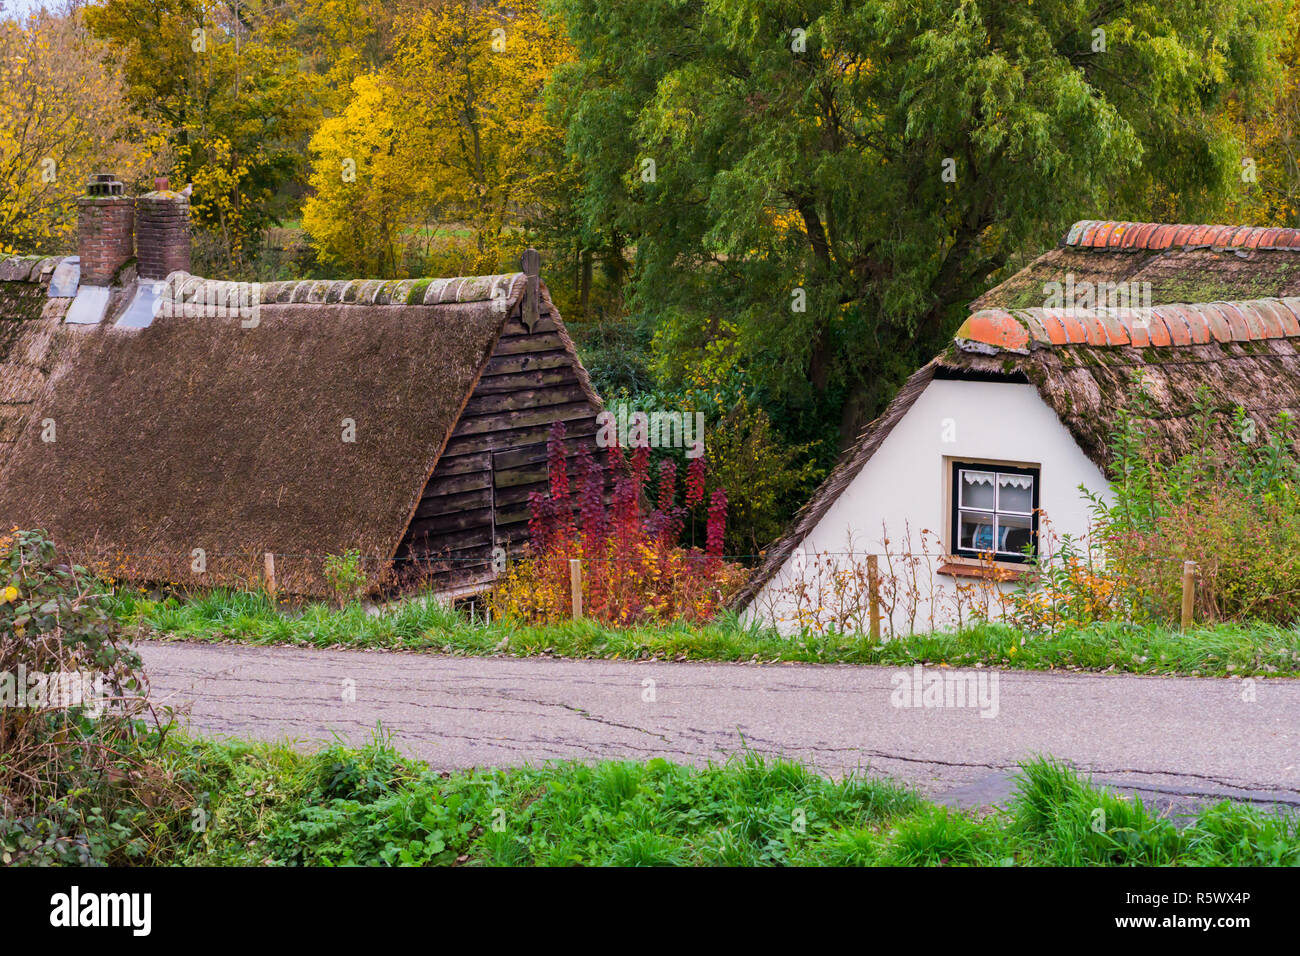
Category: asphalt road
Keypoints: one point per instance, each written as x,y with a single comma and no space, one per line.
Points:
1181,740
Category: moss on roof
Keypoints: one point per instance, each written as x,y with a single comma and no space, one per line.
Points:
1175,275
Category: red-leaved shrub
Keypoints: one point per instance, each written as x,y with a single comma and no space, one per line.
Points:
633,568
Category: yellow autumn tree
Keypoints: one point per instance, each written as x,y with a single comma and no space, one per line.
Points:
62,117
450,145
361,203
342,40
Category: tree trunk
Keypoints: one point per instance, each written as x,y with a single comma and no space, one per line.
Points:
614,264
856,413
584,286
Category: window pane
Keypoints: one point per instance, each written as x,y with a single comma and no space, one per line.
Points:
975,531
977,490
1014,532
1016,493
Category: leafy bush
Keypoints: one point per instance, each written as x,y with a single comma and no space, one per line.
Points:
745,450
633,568
346,576
412,827
74,702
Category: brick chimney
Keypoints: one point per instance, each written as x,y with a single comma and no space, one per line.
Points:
162,230
105,229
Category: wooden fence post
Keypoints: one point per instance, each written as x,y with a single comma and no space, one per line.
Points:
270,574
873,595
575,586
1189,592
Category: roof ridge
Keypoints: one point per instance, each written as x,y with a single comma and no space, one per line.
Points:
425,290
1117,234
421,291
1197,323
16,268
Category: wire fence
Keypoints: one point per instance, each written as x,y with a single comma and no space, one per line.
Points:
878,591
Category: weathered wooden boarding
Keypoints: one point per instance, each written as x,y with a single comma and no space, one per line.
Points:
477,498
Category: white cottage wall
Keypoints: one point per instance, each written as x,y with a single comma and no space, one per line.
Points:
904,490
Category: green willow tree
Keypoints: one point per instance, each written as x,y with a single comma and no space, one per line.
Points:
839,178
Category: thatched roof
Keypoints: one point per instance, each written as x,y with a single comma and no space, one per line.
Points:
1087,364
200,432
28,319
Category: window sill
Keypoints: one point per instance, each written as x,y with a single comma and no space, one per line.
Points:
955,567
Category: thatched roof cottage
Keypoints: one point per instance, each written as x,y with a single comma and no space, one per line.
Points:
1015,415
179,430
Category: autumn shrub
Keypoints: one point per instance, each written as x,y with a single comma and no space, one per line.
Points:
73,709
1070,584
634,568
1233,507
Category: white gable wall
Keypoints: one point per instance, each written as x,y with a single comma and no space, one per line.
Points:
905,488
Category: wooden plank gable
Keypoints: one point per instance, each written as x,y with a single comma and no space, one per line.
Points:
496,456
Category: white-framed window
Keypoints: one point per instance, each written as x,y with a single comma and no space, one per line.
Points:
994,510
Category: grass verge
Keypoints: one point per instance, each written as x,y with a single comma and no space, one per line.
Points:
424,624
259,804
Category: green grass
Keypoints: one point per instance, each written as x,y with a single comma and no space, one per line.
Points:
423,624
269,805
